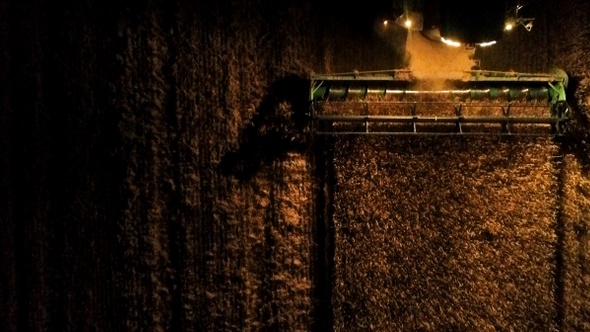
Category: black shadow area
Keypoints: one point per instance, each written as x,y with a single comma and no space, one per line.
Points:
279,126
577,139
576,142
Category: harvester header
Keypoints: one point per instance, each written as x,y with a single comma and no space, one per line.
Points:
478,102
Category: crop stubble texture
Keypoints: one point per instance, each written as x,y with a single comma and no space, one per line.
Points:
445,234
118,214
116,117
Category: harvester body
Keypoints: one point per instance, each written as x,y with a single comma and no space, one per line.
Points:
467,103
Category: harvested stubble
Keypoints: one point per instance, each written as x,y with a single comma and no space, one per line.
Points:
444,234
575,246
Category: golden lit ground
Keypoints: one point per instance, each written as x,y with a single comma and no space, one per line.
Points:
442,234
576,245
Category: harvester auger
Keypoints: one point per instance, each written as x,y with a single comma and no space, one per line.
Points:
473,103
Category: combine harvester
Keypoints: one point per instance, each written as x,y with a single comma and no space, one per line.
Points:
472,102
479,102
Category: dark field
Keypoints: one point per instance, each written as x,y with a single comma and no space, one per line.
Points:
157,173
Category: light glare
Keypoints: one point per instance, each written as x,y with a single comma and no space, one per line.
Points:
486,44
450,42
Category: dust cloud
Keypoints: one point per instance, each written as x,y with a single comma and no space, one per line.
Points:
434,61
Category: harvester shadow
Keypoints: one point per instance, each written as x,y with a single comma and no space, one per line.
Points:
278,127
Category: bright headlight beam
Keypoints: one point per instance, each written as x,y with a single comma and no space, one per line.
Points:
408,23
509,26
486,44
450,42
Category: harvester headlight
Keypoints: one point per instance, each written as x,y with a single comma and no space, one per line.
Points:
413,21
450,42
509,26
486,44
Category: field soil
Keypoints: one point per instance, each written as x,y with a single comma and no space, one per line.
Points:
157,173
